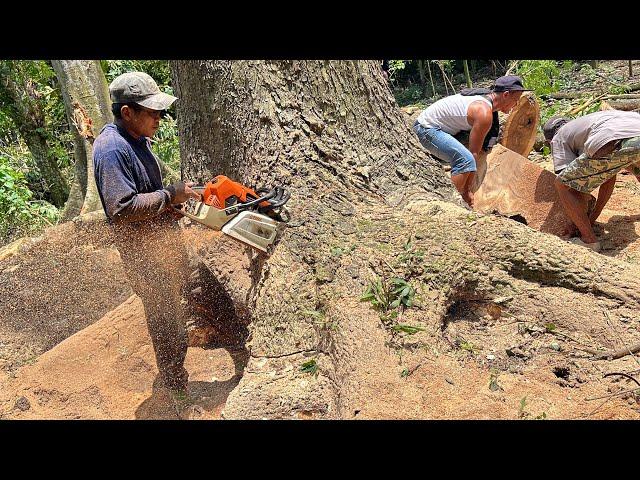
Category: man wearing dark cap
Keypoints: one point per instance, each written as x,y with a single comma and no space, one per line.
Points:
473,110
588,152
138,207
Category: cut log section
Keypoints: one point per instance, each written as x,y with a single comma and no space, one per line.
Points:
508,184
520,129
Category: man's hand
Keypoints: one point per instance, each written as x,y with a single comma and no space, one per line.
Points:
180,192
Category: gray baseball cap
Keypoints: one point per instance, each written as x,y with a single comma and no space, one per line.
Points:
140,88
552,125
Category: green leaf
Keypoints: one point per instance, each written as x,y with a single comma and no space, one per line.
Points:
409,329
368,295
309,367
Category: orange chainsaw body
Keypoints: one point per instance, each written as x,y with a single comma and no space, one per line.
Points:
219,192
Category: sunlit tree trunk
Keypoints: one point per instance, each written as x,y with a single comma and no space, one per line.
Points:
86,98
367,202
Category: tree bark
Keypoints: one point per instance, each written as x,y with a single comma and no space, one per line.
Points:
423,78
87,104
626,105
466,73
28,116
366,200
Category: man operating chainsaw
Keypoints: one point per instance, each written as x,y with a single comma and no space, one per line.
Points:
146,232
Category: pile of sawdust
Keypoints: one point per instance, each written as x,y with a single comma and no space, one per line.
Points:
108,371
56,285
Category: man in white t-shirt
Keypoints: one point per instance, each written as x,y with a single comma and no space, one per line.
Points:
588,152
438,123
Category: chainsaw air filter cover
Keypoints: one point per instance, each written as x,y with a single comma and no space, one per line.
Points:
254,229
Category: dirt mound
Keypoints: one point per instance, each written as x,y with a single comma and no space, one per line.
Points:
108,371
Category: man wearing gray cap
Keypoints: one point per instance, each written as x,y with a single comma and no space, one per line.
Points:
588,152
138,207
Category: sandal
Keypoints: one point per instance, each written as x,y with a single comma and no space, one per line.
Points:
595,246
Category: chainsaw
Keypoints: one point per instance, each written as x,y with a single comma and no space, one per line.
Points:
250,216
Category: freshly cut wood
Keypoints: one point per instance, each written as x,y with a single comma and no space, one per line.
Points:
520,129
508,184
605,106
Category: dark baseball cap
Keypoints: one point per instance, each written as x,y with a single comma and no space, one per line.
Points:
552,125
140,88
509,83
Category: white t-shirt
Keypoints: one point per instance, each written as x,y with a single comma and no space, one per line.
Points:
591,132
449,113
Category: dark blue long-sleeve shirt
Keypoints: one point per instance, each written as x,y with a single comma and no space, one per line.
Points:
128,176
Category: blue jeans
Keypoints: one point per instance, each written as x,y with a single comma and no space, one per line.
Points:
443,146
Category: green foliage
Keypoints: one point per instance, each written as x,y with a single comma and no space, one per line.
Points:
388,297
20,214
542,76
395,65
409,329
409,95
158,69
468,346
385,296
38,78
310,367
165,143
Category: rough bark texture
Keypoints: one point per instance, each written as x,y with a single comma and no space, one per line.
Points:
626,105
27,115
86,98
366,202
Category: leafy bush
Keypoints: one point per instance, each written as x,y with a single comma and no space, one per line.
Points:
165,144
409,95
40,79
19,213
542,76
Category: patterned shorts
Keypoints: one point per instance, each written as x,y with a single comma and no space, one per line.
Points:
586,174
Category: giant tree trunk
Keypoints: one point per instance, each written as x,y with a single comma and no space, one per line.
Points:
366,203
28,116
86,99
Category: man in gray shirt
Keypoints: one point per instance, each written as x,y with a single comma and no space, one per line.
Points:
588,153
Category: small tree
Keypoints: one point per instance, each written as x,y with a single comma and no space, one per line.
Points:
86,98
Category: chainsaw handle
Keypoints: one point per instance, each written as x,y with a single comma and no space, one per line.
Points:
278,196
